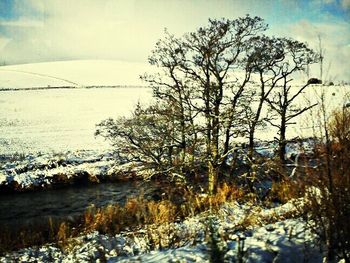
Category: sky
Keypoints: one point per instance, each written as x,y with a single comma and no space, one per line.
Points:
53,30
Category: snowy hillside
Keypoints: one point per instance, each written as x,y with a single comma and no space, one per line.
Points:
64,119
72,73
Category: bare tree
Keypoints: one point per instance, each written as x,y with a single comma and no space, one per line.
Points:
206,62
199,89
283,102
171,87
265,57
147,137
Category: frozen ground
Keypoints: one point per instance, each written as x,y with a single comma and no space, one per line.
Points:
74,73
65,119
41,171
56,120
272,239
61,119
45,170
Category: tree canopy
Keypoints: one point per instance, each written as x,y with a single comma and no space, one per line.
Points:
200,90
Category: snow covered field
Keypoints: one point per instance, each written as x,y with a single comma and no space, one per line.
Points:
64,119
61,119
74,73
60,123
56,120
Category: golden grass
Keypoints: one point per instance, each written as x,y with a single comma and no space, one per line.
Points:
137,212
286,190
140,211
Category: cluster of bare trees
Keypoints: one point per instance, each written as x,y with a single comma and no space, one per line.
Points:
212,86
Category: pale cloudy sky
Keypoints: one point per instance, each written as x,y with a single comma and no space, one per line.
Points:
50,30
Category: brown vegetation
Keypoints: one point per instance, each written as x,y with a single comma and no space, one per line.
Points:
328,202
137,212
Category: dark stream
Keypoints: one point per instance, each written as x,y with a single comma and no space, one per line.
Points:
20,209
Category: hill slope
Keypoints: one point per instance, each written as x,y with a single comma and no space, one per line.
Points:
72,73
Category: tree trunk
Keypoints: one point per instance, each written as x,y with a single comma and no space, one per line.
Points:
282,140
251,144
183,144
226,143
255,122
330,243
213,164
212,177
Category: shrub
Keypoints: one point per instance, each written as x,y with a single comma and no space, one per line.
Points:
340,127
314,81
285,190
328,201
330,212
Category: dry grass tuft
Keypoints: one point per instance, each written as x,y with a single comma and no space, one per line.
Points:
327,197
140,211
286,190
135,213
198,203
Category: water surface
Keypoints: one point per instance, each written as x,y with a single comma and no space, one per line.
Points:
19,209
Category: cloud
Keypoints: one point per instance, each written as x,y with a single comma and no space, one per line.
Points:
111,29
3,42
21,22
345,4
80,29
335,40
46,30
328,1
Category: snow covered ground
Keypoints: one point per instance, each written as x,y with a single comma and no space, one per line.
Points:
275,239
56,120
74,73
65,119
50,122
61,119
54,131
44,170
41,171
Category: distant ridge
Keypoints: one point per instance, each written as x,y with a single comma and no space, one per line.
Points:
74,87
75,73
40,75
